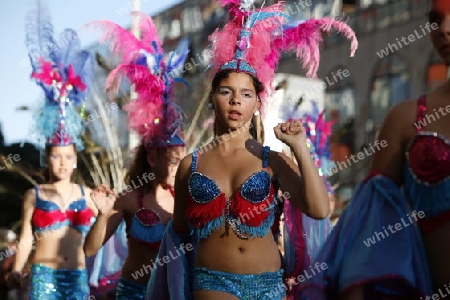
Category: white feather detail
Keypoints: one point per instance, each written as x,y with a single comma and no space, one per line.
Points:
246,5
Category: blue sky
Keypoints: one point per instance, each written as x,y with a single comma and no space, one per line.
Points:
15,85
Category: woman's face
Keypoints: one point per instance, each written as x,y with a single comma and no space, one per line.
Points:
235,101
165,163
61,161
440,14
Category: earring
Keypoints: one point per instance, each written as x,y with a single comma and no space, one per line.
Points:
210,106
74,166
256,113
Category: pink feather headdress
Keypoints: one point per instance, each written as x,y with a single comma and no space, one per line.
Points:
254,39
153,114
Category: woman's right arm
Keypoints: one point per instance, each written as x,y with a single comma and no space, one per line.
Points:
110,214
181,192
26,232
395,134
24,247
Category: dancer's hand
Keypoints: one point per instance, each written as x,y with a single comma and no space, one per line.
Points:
291,133
14,280
103,198
24,280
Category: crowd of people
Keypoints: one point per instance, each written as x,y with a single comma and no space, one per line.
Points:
238,220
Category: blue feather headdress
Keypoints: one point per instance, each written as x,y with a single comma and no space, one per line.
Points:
64,72
153,115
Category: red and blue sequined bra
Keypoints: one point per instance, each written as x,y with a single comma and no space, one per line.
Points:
47,215
250,211
146,225
427,173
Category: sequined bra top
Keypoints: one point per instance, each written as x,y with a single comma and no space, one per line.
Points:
47,215
146,225
427,172
249,211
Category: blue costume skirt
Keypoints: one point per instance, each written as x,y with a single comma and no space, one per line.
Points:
130,290
50,284
376,244
263,286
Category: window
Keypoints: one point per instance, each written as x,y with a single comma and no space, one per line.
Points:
192,20
366,3
175,29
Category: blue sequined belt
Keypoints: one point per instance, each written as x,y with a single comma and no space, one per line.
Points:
262,286
56,284
130,290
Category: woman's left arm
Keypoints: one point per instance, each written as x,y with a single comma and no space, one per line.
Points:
301,183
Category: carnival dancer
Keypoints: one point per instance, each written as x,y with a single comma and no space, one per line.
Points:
392,240
147,203
57,214
226,211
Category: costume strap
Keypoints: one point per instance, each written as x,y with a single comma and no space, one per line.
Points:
266,157
140,199
82,190
421,111
36,188
194,161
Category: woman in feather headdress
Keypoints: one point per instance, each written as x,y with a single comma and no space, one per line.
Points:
56,215
146,204
226,200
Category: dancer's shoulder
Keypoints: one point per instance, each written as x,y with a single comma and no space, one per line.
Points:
400,120
185,165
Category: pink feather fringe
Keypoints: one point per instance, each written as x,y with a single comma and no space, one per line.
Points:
148,30
145,114
143,111
224,44
325,128
121,42
305,40
142,116
231,3
271,41
233,8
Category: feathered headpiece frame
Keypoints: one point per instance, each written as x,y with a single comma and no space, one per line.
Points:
254,39
153,115
64,72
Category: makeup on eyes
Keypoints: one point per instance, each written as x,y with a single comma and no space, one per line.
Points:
249,93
